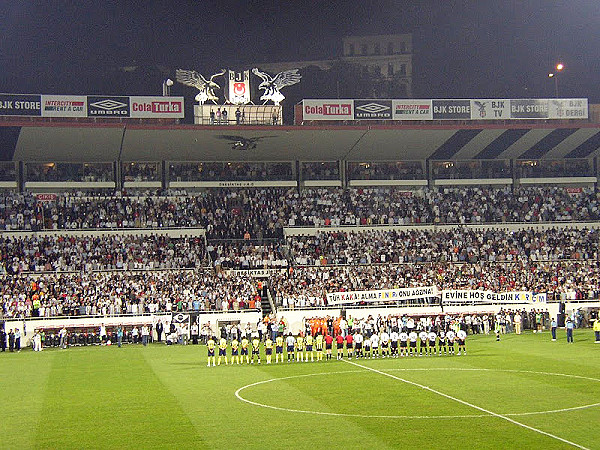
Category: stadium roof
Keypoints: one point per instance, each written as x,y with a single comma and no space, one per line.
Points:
136,142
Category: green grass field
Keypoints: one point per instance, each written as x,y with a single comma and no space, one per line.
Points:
522,392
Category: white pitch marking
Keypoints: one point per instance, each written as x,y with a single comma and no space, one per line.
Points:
500,416
375,416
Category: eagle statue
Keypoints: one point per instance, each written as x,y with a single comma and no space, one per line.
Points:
206,87
273,85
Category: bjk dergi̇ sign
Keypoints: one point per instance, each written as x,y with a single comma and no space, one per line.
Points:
327,109
20,105
412,110
64,106
568,108
156,107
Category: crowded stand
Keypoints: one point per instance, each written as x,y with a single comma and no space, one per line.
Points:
561,280
54,172
453,245
404,170
320,170
263,212
113,293
141,171
67,253
231,171
244,230
243,255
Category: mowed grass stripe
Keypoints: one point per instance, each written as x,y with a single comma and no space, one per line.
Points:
208,395
110,398
522,437
23,381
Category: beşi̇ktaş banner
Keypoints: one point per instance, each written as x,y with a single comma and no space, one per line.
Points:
385,295
476,296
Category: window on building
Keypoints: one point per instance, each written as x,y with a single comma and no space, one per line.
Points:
363,49
377,49
390,69
390,48
351,49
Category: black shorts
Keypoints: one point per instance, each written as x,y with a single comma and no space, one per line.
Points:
358,346
384,345
244,351
211,352
255,351
394,344
340,346
432,343
222,352
461,342
290,348
234,352
423,344
268,351
278,349
451,343
413,344
367,348
442,343
309,348
328,346
403,344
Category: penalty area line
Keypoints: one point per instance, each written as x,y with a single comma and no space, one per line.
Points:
479,408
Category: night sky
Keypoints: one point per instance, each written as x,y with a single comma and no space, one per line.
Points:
468,49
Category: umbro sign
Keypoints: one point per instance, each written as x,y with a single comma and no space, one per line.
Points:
108,106
372,109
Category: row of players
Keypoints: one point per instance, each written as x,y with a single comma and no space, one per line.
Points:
300,348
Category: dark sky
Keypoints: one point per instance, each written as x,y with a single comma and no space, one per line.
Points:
469,49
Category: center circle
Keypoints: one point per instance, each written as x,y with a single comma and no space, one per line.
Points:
238,394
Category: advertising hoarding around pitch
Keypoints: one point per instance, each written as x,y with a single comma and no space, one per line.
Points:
64,106
372,109
451,109
490,109
412,110
20,105
156,107
327,109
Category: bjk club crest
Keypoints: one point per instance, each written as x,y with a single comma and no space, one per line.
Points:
239,87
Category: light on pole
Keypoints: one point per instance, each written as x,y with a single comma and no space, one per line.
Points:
558,68
167,87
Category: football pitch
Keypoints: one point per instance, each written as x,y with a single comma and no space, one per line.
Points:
522,392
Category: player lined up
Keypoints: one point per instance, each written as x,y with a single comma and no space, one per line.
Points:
301,349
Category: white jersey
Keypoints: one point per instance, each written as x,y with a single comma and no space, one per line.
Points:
394,336
432,336
461,335
385,338
450,336
412,336
375,341
423,335
290,341
403,336
367,342
358,338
